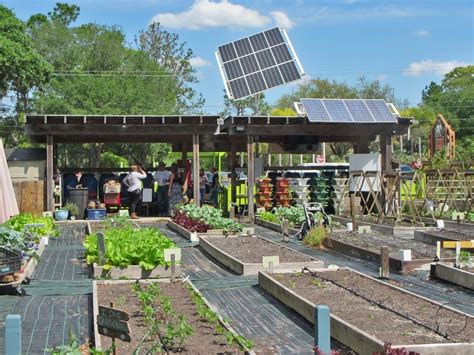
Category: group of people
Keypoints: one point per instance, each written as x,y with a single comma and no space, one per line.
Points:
173,188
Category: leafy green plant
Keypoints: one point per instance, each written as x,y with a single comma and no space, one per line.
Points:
210,216
268,216
315,236
24,243
294,215
72,208
18,223
464,256
127,246
74,348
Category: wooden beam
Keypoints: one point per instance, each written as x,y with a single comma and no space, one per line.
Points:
196,168
250,177
386,151
233,175
49,174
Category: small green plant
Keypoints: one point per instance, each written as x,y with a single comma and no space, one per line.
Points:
315,236
292,284
74,348
317,283
72,208
464,256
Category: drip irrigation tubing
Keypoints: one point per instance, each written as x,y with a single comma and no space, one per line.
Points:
444,335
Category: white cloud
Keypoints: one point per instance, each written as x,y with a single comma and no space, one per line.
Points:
422,33
197,62
282,20
429,66
207,13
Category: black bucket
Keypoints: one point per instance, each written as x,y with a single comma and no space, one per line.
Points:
79,196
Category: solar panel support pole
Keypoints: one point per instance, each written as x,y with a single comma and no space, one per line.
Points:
386,151
196,168
250,176
49,174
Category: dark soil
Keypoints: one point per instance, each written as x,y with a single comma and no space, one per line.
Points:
391,222
452,234
364,310
374,241
203,341
251,249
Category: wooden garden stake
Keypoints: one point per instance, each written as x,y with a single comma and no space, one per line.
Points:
352,202
458,253
385,263
438,249
101,244
284,230
114,349
232,212
173,266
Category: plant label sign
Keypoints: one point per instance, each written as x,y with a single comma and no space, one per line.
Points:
175,251
364,229
113,323
266,260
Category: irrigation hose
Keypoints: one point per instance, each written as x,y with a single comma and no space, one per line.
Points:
444,335
442,306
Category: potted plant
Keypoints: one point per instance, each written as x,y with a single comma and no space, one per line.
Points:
61,215
73,209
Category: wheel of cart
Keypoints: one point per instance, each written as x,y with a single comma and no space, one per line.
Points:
10,263
310,208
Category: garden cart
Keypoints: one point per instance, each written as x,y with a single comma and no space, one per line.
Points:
10,265
310,210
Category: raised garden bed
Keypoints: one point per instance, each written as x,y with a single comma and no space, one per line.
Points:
243,255
195,236
403,228
367,247
131,253
273,226
460,276
440,235
366,313
209,333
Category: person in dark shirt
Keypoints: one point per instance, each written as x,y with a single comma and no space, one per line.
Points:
214,186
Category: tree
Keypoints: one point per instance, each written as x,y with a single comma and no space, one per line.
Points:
97,73
454,99
249,106
21,68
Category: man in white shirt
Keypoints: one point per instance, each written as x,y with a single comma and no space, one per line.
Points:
162,177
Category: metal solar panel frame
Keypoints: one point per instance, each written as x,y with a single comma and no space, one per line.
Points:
373,120
288,44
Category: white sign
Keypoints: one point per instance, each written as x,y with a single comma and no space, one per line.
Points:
175,251
267,259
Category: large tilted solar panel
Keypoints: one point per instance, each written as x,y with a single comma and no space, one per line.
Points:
254,64
347,110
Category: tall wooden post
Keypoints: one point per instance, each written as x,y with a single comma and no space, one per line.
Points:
386,151
233,175
250,176
196,196
363,145
49,174
184,154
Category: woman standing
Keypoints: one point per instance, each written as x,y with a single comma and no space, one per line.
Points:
175,191
203,181
132,181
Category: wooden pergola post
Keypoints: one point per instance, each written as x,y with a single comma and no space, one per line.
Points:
386,151
184,154
250,176
196,167
49,173
233,175
363,145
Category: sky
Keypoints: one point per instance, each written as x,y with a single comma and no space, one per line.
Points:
405,44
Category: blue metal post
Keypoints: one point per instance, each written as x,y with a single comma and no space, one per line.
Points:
13,334
322,331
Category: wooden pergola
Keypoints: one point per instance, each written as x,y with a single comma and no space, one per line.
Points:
206,133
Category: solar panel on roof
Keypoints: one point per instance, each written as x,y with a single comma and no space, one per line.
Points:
315,110
268,54
359,111
380,110
344,111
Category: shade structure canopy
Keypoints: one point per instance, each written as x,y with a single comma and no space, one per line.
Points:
8,204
